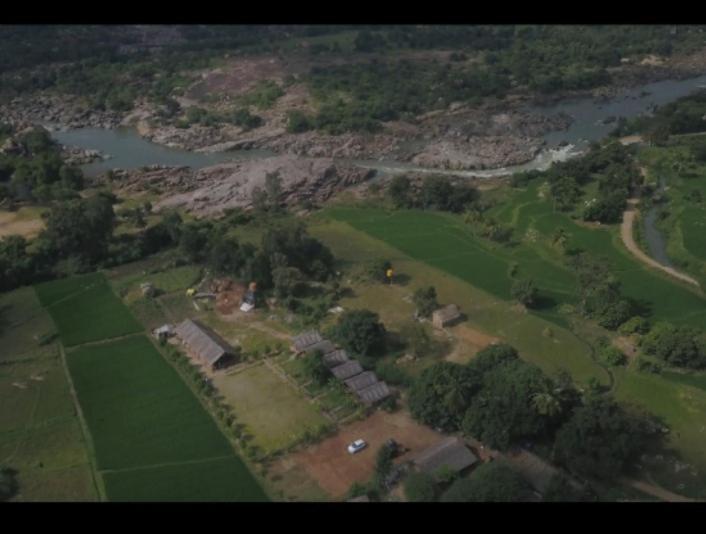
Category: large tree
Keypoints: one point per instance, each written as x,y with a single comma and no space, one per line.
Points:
490,482
600,439
682,346
81,228
442,393
360,331
503,411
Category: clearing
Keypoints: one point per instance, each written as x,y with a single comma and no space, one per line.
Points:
272,410
335,470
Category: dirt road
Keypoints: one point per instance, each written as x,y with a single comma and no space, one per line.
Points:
655,491
627,237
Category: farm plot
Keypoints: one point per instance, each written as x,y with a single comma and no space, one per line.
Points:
138,409
272,410
563,350
85,312
26,329
221,479
40,436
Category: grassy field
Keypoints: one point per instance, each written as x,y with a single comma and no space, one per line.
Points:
86,310
215,480
445,242
484,311
682,408
126,388
272,410
40,434
26,329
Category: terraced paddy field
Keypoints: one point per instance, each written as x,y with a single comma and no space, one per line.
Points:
444,241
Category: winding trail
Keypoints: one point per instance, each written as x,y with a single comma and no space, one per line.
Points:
629,242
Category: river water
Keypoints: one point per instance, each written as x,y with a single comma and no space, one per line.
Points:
128,150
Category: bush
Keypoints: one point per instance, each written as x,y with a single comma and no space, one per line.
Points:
393,374
647,366
635,325
613,356
680,346
420,487
525,292
424,299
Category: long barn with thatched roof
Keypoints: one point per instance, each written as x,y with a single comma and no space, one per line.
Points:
206,345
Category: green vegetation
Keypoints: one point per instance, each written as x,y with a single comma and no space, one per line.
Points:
360,331
214,480
601,439
420,487
271,410
490,482
92,313
33,169
148,391
41,442
425,300
680,346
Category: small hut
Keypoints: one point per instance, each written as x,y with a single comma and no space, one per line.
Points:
446,316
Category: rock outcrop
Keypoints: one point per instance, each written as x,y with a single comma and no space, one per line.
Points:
210,190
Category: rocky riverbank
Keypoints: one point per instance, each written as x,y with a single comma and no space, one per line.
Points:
57,112
211,190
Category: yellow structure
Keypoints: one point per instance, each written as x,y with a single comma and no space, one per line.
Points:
190,292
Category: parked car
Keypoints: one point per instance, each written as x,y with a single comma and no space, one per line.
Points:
356,446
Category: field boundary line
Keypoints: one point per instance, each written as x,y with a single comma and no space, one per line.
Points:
166,464
105,341
88,439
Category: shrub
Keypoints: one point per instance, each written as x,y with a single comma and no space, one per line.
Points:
635,325
613,356
420,487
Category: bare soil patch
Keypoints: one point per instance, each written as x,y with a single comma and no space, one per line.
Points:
470,342
335,470
14,223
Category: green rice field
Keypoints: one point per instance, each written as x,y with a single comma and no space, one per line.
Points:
86,309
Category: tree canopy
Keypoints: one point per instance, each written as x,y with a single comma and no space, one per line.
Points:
490,482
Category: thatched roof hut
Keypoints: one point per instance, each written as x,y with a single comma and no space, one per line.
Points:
446,316
206,344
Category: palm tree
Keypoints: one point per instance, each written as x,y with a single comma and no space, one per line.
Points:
546,404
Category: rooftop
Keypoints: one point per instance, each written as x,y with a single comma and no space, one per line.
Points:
208,345
451,453
362,381
347,370
373,393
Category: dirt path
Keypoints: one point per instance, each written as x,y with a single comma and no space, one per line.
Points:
629,242
655,491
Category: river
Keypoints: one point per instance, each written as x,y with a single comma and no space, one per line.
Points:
128,150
